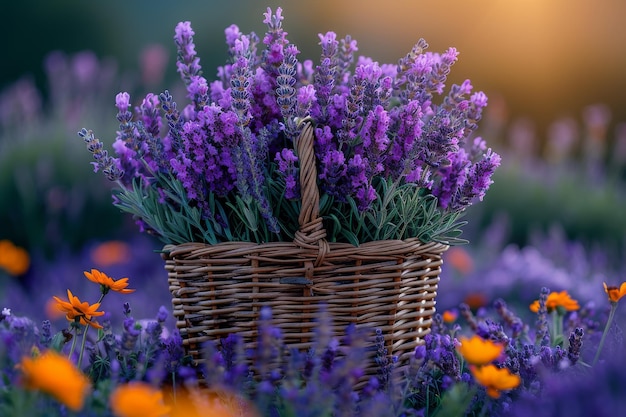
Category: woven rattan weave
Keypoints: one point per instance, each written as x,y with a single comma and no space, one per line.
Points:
389,285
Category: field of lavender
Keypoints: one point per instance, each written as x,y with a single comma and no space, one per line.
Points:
529,315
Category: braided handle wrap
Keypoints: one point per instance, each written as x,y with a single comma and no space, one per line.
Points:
311,234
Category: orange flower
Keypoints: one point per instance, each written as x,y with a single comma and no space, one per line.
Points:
138,399
111,253
107,283
557,299
495,379
53,312
478,351
615,294
57,376
198,402
460,260
74,310
13,259
449,316
475,300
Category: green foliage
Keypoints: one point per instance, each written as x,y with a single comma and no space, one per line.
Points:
403,211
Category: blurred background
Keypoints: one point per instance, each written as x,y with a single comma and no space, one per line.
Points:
554,72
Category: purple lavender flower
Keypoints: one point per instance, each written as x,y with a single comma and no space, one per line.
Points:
373,123
575,344
286,160
479,178
453,176
375,140
286,92
345,58
130,335
515,324
359,183
240,84
109,166
542,335
275,38
187,63
324,79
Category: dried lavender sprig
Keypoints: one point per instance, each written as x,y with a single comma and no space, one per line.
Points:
286,161
268,350
453,177
542,334
105,163
353,116
405,64
276,40
575,344
370,73
187,62
240,83
440,138
345,58
286,92
150,125
511,319
434,81
467,314
385,363
172,142
130,335
478,179
45,338
324,77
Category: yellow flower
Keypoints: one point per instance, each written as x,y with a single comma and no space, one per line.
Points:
57,376
615,294
75,309
138,399
495,379
557,299
107,283
449,316
479,351
13,259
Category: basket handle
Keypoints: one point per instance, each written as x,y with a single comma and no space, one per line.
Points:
311,234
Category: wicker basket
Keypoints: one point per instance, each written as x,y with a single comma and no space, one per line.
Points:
388,285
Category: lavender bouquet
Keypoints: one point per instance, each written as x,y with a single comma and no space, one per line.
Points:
396,156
